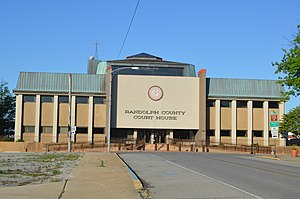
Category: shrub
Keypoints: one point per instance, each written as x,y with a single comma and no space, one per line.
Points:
7,139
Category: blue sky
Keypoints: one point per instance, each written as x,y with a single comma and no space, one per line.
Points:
232,38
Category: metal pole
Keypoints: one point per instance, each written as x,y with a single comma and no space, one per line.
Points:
70,103
275,155
109,112
251,143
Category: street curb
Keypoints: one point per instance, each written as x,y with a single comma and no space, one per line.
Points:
138,185
136,182
268,157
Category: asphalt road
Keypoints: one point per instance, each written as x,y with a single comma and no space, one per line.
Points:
211,175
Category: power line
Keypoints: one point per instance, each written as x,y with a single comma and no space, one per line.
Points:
136,7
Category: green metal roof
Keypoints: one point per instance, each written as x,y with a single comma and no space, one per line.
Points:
59,82
243,88
95,83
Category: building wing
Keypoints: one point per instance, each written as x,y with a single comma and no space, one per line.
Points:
243,88
59,82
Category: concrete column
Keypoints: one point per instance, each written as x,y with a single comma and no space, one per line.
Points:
218,121
266,123
281,110
233,121
281,113
152,138
200,138
250,121
55,118
135,135
169,137
18,117
192,136
73,111
90,119
37,118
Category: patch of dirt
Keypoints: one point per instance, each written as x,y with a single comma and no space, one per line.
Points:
17,169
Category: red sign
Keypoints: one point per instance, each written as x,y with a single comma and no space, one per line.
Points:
273,117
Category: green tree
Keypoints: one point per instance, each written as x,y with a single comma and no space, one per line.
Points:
7,109
289,68
291,121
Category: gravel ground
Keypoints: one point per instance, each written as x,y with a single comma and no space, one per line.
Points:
17,169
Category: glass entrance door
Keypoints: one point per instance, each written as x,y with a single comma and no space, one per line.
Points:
158,135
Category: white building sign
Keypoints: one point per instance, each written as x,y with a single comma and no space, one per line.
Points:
157,102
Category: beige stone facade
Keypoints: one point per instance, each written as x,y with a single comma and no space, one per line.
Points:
224,124
177,109
52,119
239,124
153,107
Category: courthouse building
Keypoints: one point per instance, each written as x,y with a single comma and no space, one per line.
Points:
144,97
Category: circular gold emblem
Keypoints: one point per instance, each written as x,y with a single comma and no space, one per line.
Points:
155,93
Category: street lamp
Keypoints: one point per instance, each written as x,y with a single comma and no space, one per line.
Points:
111,73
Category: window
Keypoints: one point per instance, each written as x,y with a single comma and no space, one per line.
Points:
257,104
181,134
157,71
257,133
241,104
210,132
225,133
273,104
81,130
46,129
28,129
225,103
98,130
241,133
210,103
82,100
99,100
63,129
47,98
63,99
29,98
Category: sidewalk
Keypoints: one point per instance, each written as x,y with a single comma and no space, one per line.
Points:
282,158
45,191
90,180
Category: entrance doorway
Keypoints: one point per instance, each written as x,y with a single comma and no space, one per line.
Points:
158,135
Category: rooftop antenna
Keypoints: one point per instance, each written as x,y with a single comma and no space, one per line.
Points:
96,51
